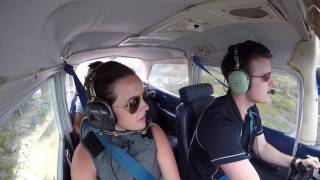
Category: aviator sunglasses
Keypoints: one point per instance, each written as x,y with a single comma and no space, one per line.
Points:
134,103
265,77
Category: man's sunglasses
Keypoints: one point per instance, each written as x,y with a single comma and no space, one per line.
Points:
134,103
265,77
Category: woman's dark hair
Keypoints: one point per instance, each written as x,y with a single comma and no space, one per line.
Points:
247,52
106,75
94,65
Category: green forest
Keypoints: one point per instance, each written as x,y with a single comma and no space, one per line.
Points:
17,133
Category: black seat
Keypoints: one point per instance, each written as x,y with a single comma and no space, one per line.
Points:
194,99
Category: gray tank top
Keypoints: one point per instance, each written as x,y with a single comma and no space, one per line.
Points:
140,147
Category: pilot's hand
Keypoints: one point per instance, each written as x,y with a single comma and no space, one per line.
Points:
311,161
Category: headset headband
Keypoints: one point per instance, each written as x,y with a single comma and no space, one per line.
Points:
92,77
236,57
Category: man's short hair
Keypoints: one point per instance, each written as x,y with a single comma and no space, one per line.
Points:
247,52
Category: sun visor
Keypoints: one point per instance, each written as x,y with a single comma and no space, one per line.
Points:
141,52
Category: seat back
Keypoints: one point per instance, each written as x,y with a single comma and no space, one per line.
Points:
194,99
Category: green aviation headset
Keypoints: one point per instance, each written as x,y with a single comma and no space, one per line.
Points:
238,78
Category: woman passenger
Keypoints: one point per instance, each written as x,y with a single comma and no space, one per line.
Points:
121,88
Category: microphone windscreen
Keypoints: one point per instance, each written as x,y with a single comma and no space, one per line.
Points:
272,91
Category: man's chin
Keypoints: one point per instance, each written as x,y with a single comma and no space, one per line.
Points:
266,101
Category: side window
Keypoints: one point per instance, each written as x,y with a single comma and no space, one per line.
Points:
281,114
137,65
218,88
29,138
169,77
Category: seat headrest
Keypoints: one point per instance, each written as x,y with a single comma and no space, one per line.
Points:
194,92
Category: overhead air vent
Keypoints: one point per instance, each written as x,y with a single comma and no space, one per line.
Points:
249,12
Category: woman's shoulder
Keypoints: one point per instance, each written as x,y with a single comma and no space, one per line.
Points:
80,151
157,132
82,162
156,129
81,155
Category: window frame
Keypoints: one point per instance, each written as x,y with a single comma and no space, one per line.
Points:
63,119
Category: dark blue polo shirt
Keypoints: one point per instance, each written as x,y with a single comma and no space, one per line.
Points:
221,137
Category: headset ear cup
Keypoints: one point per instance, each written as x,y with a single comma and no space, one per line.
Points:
100,115
239,81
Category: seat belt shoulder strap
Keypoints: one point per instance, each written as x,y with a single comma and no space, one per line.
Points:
125,160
